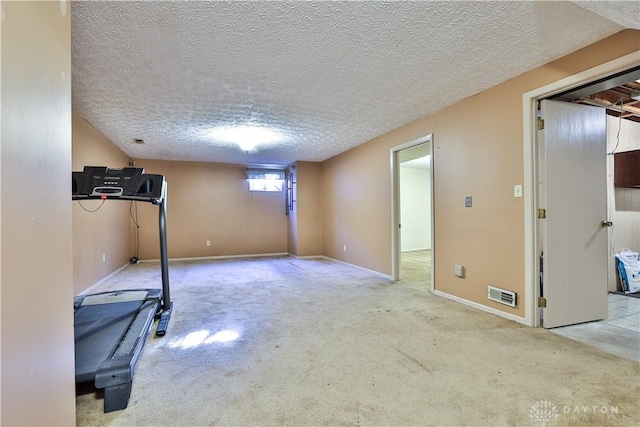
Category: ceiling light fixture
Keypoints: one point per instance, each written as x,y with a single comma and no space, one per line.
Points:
635,95
246,136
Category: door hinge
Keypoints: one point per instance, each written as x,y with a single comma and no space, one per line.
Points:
540,123
542,213
542,302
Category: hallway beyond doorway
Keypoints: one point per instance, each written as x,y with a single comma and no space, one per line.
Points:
416,267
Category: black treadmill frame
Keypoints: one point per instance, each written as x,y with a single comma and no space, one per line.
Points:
115,374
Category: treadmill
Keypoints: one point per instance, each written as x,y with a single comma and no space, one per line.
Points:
110,328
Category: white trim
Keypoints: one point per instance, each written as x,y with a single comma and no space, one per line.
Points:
307,256
531,243
395,205
90,289
481,307
275,254
377,273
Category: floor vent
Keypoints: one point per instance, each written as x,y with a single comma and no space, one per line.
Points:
502,296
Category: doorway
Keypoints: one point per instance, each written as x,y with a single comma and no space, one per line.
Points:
533,230
572,213
412,209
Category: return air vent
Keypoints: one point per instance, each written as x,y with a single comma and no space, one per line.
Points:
502,296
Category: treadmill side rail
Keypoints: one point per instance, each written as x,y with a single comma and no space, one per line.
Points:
115,375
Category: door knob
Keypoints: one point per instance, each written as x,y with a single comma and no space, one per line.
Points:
604,224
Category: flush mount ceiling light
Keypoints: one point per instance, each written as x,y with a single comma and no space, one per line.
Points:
247,137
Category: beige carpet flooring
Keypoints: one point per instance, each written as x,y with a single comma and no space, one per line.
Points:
314,342
415,266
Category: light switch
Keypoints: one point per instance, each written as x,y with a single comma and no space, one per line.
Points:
517,190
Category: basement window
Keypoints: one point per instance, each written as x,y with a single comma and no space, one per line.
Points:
270,180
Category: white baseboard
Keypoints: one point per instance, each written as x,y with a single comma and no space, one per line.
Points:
275,254
481,307
307,256
90,289
377,273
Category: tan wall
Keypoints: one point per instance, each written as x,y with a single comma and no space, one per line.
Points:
36,277
107,230
212,201
478,151
307,212
356,206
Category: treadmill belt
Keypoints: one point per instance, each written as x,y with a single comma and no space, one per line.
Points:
98,330
90,319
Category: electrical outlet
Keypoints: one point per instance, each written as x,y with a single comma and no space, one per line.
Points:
467,201
344,248
458,270
104,257
208,242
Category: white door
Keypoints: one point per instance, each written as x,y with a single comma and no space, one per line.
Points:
574,238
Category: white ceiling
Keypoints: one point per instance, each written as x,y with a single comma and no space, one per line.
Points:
327,75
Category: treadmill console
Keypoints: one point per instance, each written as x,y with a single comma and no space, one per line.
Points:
99,182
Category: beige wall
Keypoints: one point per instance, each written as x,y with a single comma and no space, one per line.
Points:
478,151
107,230
212,201
36,277
356,206
305,220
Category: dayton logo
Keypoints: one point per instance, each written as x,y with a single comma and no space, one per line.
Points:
543,411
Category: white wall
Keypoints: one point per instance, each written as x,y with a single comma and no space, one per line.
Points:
624,203
415,209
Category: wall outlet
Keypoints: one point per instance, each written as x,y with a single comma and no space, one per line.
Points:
467,201
104,257
344,248
458,270
208,242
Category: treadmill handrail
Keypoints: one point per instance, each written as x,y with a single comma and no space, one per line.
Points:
81,190
154,201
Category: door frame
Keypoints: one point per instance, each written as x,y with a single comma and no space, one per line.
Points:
395,204
532,244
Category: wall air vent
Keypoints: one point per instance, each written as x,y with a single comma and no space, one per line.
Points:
502,296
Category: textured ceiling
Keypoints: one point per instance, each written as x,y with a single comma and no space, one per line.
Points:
327,75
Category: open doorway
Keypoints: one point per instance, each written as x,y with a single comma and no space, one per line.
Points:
619,97
412,211
531,178
581,131
610,331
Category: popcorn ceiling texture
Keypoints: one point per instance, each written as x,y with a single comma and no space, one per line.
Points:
329,75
